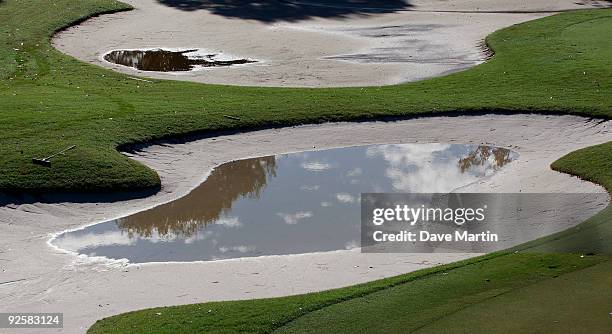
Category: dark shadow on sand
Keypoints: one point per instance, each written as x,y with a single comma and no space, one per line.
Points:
284,10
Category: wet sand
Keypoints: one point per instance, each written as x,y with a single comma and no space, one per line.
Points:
36,277
309,46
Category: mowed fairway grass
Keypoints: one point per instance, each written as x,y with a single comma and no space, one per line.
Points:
560,64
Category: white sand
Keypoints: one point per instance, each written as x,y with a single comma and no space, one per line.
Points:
53,281
347,50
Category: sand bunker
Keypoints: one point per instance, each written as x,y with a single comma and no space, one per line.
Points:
310,43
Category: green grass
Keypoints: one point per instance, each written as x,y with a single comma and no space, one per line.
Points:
405,302
50,101
559,64
582,307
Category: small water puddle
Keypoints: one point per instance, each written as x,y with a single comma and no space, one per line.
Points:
285,204
160,60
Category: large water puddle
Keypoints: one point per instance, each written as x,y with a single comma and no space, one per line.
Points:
160,60
285,204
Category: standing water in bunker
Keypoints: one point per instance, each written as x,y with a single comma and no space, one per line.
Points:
159,60
285,204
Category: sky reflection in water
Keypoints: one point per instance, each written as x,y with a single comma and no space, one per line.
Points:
286,204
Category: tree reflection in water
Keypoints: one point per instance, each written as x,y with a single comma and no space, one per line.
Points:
481,157
206,203
168,61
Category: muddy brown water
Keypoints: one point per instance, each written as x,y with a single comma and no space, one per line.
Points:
285,204
168,61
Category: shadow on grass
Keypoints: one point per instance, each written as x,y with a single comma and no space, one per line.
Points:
52,197
278,10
